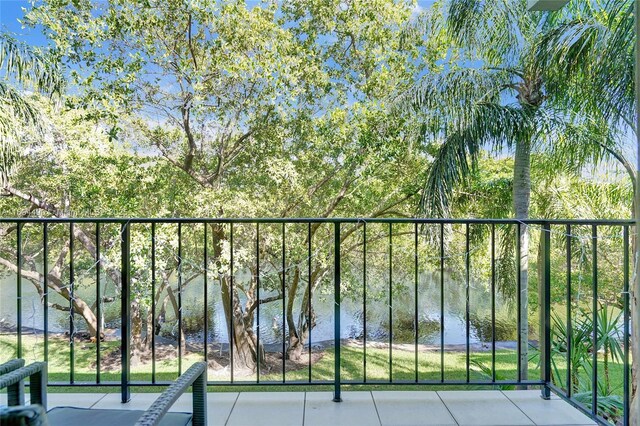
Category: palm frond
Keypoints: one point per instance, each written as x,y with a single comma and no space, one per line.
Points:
609,405
13,104
499,31
23,67
447,98
589,56
8,156
29,67
571,143
506,264
489,124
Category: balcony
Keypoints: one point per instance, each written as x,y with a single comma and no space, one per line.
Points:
399,321
364,408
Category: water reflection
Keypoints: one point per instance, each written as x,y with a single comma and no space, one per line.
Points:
271,330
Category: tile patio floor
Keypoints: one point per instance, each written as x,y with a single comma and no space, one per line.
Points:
358,408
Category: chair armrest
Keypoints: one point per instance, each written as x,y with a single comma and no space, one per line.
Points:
9,366
14,382
196,375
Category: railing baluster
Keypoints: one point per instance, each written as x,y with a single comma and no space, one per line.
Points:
98,303
231,300
45,287
179,298
569,320
336,312
72,330
125,311
625,332
545,307
415,295
493,302
284,330
442,302
390,303
467,285
153,301
258,300
205,259
19,288
519,298
309,320
364,300
594,289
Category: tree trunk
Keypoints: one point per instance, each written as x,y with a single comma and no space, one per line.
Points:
299,333
176,311
521,196
242,338
81,308
137,343
149,329
296,344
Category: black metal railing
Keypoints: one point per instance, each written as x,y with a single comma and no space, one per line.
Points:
229,250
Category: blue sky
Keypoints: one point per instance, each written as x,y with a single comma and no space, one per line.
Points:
10,13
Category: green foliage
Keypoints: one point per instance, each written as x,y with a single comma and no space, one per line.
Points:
488,373
608,342
21,68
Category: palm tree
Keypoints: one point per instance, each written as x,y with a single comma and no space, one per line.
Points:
21,68
592,48
491,94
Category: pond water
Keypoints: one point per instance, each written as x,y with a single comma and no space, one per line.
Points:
352,312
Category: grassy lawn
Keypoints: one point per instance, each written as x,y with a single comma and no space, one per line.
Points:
323,370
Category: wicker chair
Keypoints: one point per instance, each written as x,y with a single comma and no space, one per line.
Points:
13,374
8,367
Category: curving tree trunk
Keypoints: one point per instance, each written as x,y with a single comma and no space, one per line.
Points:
242,337
80,307
299,331
138,346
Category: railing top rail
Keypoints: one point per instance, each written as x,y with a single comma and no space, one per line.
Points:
613,222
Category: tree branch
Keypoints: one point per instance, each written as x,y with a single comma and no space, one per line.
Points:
193,56
254,305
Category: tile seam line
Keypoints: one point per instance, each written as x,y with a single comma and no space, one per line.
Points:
226,422
375,407
518,407
448,410
99,399
571,424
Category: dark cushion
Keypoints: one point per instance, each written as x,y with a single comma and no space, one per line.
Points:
31,415
72,416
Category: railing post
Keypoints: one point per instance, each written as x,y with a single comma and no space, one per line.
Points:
336,312
625,333
19,288
545,311
125,311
